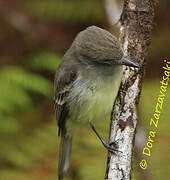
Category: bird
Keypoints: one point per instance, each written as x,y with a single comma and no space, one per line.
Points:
86,85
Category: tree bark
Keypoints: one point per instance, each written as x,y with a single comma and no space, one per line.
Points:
136,25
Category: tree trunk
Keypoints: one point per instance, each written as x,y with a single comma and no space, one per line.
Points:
136,25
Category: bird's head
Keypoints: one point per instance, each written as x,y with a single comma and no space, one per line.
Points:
100,46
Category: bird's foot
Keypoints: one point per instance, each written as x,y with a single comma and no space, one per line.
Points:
111,147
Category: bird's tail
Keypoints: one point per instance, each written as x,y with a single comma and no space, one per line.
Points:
64,154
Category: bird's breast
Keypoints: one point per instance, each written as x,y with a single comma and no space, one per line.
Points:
92,99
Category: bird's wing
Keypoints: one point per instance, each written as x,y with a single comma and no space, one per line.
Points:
64,80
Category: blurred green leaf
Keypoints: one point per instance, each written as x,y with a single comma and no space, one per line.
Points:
70,11
44,61
9,125
13,97
28,81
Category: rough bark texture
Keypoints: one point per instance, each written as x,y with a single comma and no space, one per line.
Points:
136,26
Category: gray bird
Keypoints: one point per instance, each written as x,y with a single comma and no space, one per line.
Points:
86,85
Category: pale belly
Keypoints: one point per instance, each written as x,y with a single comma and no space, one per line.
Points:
93,104
97,106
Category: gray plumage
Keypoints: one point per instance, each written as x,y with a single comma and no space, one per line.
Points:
86,84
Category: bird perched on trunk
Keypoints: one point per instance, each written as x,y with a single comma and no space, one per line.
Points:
86,85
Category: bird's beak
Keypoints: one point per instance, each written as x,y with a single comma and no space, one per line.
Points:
128,62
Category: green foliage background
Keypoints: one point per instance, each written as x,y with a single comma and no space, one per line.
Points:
34,36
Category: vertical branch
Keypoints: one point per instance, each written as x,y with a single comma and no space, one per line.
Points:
136,26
